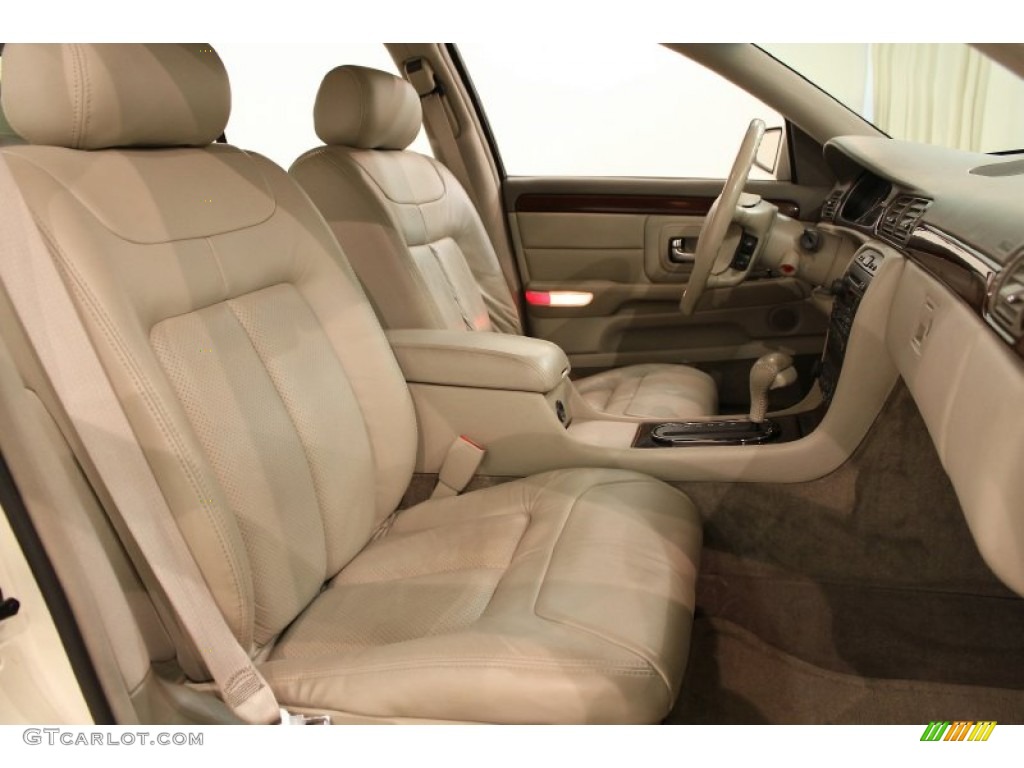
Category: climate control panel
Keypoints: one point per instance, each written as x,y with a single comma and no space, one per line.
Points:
849,292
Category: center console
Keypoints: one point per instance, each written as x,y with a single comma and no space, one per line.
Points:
756,430
512,396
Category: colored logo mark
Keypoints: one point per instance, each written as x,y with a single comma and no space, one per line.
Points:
958,730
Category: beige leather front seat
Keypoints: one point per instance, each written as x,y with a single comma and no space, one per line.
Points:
418,246
262,389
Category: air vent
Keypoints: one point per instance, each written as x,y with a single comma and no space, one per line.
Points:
901,217
831,206
1008,300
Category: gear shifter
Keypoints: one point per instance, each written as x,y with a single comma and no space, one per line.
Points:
771,371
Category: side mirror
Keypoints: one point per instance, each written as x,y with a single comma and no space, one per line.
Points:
767,158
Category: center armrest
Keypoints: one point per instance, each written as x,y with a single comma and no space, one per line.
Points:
479,359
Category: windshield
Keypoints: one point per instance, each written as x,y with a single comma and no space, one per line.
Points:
947,94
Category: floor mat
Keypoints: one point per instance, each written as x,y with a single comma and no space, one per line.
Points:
859,597
736,678
861,628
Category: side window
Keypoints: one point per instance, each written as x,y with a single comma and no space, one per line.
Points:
273,88
632,109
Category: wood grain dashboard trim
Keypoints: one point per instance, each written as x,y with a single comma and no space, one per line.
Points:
967,273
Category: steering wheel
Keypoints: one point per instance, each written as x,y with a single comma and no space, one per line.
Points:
716,225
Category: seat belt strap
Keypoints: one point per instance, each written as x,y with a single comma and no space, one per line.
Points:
65,351
444,129
460,464
438,115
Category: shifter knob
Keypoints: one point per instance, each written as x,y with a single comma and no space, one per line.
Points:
771,371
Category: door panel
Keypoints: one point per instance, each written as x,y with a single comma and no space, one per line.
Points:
628,324
571,247
610,237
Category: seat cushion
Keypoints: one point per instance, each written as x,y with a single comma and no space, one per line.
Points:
565,597
653,391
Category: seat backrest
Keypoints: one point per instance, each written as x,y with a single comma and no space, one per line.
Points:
408,227
250,364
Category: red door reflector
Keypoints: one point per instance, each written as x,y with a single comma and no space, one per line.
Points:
559,298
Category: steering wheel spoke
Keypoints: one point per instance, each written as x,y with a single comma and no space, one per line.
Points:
731,206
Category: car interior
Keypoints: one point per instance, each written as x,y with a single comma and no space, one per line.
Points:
383,437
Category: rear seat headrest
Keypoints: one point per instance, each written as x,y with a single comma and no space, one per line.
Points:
366,108
115,95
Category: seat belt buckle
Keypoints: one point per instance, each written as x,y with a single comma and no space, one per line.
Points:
287,718
459,466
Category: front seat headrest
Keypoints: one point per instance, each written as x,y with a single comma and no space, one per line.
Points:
115,95
367,109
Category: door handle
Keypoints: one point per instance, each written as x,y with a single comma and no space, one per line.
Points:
677,253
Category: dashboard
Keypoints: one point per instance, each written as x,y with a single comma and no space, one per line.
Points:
953,224
958,215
